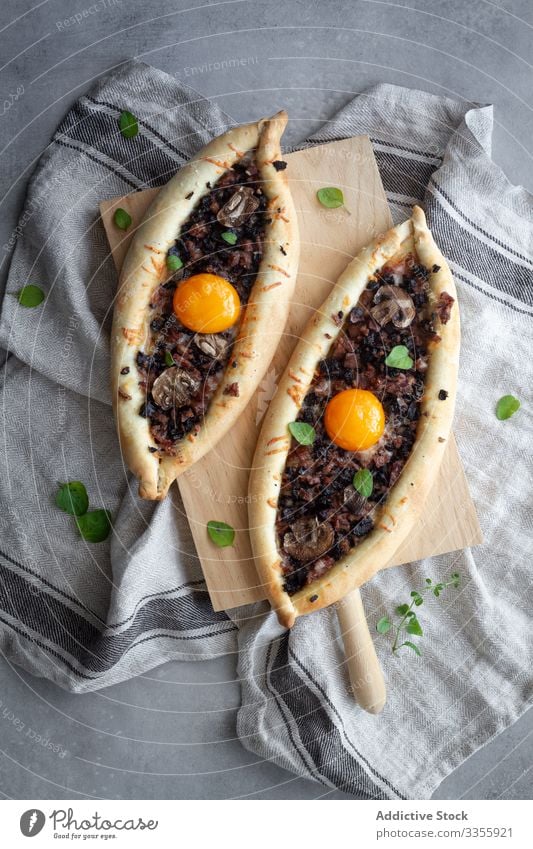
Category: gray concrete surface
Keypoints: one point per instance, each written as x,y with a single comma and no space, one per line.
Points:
171,733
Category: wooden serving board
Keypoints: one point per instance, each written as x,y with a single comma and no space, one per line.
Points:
216,487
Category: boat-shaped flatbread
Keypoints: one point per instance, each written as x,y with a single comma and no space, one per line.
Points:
354,437
203,298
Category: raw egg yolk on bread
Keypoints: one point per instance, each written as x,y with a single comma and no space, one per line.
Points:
206,303
354,419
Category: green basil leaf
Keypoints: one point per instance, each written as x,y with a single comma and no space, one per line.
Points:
30,296
507,407
414,627
455,579
229,237
411,646
330,197
363,482
122,219
174,263
399,357
383,625
169,359
72,498
302,432
220,533
402,609
94,526
129,126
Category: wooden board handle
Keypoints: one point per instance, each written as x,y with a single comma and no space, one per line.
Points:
366,676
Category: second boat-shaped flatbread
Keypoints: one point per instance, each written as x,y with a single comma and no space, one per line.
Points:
354,437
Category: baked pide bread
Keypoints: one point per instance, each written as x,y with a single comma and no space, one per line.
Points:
203,298
354,436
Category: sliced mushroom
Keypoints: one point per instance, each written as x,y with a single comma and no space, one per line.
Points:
353,499
393,303
384,312
174,388
238,208
211,344
308,539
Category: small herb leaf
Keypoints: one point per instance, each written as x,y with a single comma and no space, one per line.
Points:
174,263
507,407
220,533
411,646
94,526
122,219
229,237
72,498
30,296
330,197
399,357
383,625
169,359
407,619
302,432
129,126
414,627
364,482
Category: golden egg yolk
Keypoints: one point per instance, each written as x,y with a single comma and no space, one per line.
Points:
354,419
206,303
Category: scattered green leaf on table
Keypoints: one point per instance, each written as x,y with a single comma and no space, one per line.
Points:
330,197
303,433
399,357
383,625
220,533
407,619
122,219
72,498
30,296
129,126
414,627
94,526
506,407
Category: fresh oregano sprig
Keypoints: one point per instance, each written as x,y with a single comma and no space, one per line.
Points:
406,621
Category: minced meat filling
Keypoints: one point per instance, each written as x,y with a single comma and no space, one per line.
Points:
200,358
321,516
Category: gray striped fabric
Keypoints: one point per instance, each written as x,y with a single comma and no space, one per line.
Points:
87,617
